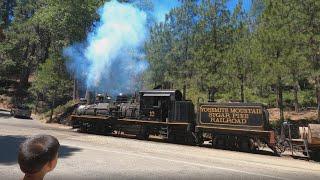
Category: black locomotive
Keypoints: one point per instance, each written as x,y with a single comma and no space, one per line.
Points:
165,113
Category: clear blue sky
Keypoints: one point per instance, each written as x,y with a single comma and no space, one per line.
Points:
233,3
164,6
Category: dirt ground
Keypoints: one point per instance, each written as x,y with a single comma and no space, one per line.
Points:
309,114
4,102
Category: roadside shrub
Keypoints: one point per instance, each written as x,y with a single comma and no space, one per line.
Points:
61,112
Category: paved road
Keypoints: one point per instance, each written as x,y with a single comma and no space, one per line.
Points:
85,156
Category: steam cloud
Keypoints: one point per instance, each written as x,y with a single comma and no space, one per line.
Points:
112,57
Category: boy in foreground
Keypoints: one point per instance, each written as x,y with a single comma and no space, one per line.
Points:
38,155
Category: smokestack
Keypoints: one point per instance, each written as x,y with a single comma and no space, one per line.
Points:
75,93
89,97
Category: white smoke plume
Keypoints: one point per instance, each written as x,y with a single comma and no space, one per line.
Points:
112,57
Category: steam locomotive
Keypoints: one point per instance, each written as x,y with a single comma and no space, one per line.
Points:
164,113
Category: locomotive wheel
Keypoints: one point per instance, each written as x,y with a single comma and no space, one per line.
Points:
214,141
108,130
252,146
90,127
171,138
244,145
248,145
189,139
83,127
144,133
99,128
232,143
219,142
198,138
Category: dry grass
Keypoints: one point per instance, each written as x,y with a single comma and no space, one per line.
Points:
4,102
292,115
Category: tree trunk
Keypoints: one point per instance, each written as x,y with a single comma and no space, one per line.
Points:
25,72
317,84
277,96
52,106
23,84
2,37
37,103
242,89
280,98
296,100
184,91
6,14
51,111
24,78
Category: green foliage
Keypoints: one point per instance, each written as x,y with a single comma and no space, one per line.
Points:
51,84
249,56
62,108
187,48
60,111
34,39
66,22
6,11
21,45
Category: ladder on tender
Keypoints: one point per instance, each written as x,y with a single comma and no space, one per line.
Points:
300,143
294,143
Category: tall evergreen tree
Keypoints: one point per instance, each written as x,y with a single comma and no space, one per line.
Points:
212,38
309,21
181,21
238,66
158,49
274,37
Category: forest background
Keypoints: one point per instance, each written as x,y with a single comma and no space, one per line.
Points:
269,53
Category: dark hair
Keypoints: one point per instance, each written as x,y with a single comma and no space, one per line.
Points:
36,151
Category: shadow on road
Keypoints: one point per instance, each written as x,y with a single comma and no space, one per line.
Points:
9,147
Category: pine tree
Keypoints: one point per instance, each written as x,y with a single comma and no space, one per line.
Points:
181,21
274,38
309,15
238,66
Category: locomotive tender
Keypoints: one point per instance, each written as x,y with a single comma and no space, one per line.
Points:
239,126
243,126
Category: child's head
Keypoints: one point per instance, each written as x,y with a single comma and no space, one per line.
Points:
38,153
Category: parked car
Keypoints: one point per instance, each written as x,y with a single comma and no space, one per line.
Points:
21,111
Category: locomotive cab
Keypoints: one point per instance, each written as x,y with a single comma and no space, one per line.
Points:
165,106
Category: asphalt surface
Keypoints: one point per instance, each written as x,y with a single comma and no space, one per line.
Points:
86,156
